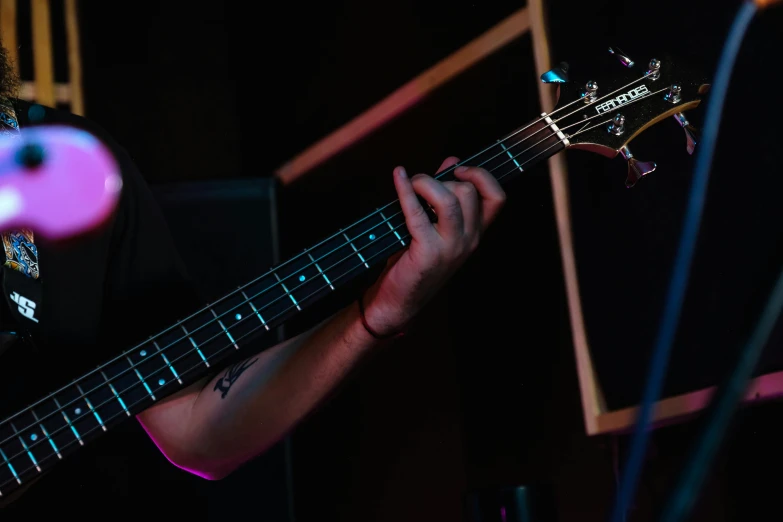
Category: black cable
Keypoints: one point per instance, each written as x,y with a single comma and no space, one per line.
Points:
680,273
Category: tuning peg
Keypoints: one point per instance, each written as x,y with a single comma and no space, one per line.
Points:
558,74
624,58
654,70
691,134
636,169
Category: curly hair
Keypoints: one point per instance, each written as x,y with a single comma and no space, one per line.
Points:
9,80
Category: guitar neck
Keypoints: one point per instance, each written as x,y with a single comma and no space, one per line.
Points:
37,437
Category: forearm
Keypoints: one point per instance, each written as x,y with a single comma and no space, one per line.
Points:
213,428
244,410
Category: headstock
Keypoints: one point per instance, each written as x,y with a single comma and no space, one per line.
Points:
59,181
604,114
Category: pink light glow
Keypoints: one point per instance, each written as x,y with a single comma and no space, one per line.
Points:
160,448
73,190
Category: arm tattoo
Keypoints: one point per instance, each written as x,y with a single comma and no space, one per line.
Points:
230,377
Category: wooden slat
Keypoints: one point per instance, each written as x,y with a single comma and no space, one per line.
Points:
8,28
406,96
681,407
62,92
593,403
74,58
43,64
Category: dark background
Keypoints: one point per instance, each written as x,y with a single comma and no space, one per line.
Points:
483,392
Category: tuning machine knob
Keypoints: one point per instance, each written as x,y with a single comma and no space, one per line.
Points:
617,125
673,96
590,92
691,134
654,69
624,58
558,74
636,169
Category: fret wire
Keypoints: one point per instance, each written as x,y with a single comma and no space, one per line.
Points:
562,140
89,405
198,350
24,445
354,249
46,434
11,467
116,395
388,222
285,290
68,421
512,157
319,271
146,387
282,313
225,331
247,299
165,360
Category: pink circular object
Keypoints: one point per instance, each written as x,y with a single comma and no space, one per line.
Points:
74,190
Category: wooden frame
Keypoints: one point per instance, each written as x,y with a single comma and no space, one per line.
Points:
405,97
43,89
598,419
592,399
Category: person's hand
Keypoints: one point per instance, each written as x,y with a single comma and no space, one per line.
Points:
464,209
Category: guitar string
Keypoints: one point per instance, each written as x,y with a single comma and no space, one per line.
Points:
216,355
286,294
277,284
350,255
61,449
48,437
529,136
222,315
133,366
582,108
379,210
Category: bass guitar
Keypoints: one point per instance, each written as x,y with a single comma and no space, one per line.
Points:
601,115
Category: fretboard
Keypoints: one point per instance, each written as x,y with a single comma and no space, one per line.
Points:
37,437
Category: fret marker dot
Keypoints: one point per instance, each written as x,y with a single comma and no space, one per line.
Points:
143,353
33,437
77,411
161,382
238,317
301,278
372,236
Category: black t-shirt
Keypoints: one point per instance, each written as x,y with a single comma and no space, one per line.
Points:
99,294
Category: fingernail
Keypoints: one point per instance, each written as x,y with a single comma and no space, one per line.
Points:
401,172
460,170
